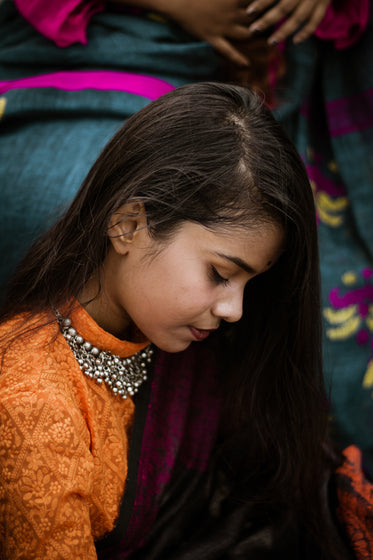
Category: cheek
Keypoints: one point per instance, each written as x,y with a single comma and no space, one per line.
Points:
180,297
194,299
175,285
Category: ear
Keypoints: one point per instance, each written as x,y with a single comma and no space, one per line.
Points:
126,224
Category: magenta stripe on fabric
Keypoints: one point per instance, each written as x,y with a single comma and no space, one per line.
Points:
333,188
351,114
104,80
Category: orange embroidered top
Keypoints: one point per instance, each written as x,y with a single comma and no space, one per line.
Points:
64,441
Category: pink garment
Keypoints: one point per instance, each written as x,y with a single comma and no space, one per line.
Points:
63,21
344,22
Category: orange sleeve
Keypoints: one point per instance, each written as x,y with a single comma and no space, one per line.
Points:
46,473
355,504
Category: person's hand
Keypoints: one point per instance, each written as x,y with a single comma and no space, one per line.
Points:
219,22
291,16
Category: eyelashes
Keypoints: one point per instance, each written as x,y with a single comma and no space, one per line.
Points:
217,278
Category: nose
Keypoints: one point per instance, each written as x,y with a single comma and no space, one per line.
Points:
229,305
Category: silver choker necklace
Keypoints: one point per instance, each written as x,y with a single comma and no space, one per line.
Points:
122,375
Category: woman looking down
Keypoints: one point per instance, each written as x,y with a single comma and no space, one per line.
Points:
161,393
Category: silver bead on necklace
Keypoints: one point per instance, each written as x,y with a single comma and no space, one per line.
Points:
122,375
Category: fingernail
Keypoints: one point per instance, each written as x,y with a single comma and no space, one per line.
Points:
250,11
273,42
254,30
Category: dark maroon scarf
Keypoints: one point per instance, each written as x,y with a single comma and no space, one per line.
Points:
175,429
177,504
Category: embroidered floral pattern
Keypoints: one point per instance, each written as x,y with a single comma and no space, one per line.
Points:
329,193
351,314
63,452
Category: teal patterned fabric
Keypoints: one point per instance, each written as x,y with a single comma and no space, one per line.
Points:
327,108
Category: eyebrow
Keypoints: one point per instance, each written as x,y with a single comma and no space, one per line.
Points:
239,262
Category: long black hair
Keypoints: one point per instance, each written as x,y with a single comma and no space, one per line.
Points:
213,154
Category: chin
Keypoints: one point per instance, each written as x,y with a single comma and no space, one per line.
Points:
173,347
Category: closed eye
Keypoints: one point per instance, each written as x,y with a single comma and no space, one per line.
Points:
217,278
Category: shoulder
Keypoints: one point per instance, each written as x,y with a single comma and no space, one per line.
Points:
29,348
27,330
33,384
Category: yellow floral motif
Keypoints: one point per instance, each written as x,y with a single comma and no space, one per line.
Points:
333,166
346,326
346,321
368,377
353,319
349,278
332,204
2,106
330,209
339,316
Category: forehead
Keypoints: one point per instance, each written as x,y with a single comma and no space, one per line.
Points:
256,246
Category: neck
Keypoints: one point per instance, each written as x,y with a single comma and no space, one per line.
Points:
95,300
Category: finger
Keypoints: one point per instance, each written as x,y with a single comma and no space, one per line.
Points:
238,32
311,25
243,17
290,25
226,49
239,15
258,6
273,15
303,18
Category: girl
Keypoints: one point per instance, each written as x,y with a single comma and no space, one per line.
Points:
161,394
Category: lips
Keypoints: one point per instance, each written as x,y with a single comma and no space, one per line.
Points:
200,334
